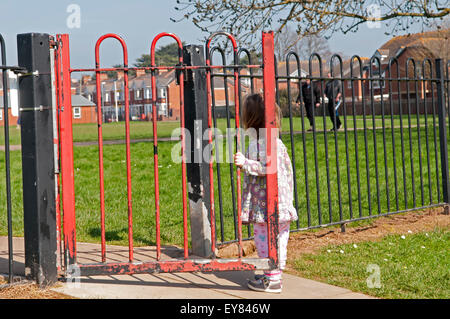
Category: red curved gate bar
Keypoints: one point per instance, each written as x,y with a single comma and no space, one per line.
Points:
67,176
238,139
155,142
100,143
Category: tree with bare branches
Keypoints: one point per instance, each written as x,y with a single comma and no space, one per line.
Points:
246,18
288,40
441,44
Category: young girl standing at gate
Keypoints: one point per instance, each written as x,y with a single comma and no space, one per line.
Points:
254,191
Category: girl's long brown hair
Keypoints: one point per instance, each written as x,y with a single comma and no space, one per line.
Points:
253,113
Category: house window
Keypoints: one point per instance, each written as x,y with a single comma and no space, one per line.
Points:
1,115
137,94
162,92
106,97
90,97
376,84
77,112
148,93
119,96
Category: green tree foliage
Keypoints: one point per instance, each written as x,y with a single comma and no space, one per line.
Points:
165,55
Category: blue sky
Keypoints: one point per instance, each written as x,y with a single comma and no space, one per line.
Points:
137,21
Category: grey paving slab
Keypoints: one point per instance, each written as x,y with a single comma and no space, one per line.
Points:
217,285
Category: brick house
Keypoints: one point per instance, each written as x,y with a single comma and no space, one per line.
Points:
415,48
283,68
418,47
220,95
13,109
140,96
12,118
83,110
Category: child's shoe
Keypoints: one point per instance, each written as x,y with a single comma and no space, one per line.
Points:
265,285
258,277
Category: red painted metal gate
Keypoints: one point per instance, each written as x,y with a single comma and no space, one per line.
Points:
66,203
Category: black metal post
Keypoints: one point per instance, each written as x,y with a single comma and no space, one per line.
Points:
7,160
442,131
35,100
196,122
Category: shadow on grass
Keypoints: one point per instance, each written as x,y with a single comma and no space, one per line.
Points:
120,235
110,235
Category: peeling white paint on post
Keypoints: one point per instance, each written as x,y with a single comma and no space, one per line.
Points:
200,227
196,122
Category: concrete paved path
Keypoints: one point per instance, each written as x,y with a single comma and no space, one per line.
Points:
218,285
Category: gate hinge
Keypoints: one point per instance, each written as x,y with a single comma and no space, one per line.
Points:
35,73
38,108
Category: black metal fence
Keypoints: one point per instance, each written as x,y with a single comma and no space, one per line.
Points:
383,162
223,109
4,69
388,155
8,199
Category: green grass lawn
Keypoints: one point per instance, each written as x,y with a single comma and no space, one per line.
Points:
87,186
410,266
393,194
141,130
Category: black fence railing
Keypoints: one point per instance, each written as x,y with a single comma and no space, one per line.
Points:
447,88
6,204
223,114
363,164
4,69
387,154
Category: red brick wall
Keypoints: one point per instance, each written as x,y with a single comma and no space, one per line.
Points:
173,100
88,115
12,119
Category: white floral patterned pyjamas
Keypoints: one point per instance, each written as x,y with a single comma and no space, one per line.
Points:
260,235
